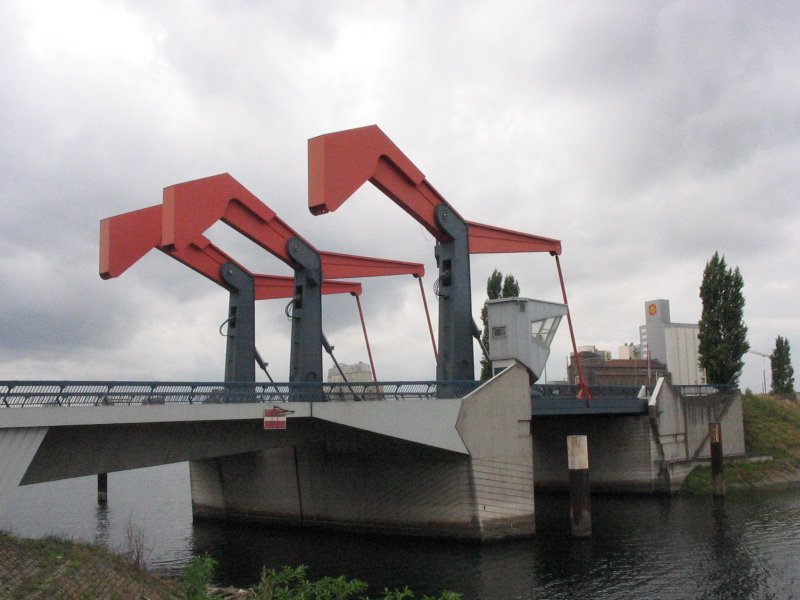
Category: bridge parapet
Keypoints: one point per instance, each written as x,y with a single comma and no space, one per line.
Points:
705,389
31,394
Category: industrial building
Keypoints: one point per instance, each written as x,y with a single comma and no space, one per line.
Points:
665,349
674,344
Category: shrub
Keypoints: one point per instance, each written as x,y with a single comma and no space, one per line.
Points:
196,577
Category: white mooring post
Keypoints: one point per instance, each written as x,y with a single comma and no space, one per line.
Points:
579,509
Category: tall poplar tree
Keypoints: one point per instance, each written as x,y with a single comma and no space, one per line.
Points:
497,286
723,334
781,366
510,287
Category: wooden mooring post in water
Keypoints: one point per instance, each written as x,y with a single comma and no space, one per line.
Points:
717,470
102,488
579,508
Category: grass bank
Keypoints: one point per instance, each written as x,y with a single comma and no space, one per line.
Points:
55,568
771,428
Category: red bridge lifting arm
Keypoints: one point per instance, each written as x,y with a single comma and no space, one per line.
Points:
126,238
177,228
191,208
339,163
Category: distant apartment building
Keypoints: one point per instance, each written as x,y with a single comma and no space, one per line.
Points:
674,344
357,372
600,369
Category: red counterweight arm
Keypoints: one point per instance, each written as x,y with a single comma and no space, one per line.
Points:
126,238
339,163
191,208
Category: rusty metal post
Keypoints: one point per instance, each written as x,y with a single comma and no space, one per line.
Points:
717,470
579,507
102,488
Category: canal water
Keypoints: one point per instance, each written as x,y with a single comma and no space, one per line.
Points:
746,546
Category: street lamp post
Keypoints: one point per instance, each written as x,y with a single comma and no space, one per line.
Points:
763,366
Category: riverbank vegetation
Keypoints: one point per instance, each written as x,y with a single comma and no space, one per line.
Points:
772,441
53,568
292,584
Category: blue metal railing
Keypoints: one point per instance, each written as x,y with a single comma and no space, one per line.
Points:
17,394
557,390
705,389
629,391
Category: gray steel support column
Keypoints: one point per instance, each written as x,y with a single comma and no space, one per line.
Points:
240,352
456,361
305,362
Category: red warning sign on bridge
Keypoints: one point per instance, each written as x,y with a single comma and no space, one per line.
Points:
275,417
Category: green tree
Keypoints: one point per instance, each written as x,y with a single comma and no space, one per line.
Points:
781,366
510,287
497,286
723,334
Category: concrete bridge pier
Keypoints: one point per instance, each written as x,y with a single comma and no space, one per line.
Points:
459,468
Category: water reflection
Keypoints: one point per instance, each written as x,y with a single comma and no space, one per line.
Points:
742,547
102,523
730,571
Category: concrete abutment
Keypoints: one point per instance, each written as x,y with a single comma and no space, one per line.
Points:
351,477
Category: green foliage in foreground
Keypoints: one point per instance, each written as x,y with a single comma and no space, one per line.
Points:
771,427
293,584
289,584
196,578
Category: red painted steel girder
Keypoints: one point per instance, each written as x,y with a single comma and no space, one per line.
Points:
177,226
339,163
126,238
191,208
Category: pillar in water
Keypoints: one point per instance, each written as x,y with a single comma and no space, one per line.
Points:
579,508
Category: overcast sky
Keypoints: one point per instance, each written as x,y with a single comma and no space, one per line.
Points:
643,135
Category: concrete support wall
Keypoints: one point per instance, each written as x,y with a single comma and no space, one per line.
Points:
619,452
650,453
495,425
353,480
357,479
725,409
18,448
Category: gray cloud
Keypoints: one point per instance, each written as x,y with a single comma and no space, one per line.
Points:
645,136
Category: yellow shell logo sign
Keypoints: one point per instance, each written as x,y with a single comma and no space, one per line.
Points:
652,310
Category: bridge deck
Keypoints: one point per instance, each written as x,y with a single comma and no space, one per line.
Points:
546,400
603,405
